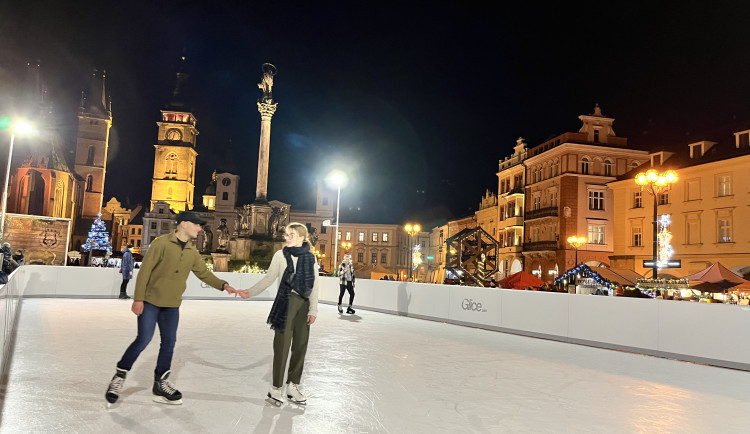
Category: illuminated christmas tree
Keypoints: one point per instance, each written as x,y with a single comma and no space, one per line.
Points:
98,237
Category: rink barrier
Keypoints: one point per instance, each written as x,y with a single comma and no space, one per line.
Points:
696,332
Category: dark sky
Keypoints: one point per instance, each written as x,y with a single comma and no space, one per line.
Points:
407,97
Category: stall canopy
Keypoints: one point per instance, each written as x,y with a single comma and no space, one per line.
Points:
521,280
718,274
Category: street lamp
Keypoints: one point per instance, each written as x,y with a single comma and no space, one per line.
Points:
656,183
346,245
576,242
411,230
337,178
22,128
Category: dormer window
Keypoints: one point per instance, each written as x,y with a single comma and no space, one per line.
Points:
596,136
742,139
696,150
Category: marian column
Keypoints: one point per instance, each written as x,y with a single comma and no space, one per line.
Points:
266,107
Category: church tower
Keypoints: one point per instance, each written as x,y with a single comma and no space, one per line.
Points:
92,143
174,161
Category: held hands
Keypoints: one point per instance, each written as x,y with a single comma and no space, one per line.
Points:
242,292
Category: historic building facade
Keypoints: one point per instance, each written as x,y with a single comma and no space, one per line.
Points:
567,195
707,206
512,191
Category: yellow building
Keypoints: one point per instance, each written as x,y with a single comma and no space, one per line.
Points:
511,179
707,206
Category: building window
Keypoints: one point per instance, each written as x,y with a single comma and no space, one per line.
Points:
348,236
596,136
693,189
165,226
553,198
596,199
361,237
325,201
138,243
374,258
171,164
224,195
638,199
585,166
339,236
607,168
537,202
385,237
664,198
725,185
596,234
132,231
90,157
375,237
89,183
637,236
360,257
383,258
693,229
724,225
153,226
139,231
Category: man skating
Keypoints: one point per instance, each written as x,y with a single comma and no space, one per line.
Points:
159,287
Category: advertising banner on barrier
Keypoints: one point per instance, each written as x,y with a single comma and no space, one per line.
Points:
475,305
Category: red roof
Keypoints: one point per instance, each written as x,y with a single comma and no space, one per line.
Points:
717,273
521,280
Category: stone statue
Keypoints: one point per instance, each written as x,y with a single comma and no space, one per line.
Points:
266,83
277,222
208,239
245,218
223,236
313,235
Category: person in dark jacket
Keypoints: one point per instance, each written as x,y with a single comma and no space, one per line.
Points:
126,268
346,282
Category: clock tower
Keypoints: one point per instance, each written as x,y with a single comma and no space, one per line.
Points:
174,160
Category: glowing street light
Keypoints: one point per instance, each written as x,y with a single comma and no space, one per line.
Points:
576,243
656,183
412,230
24,129
337,178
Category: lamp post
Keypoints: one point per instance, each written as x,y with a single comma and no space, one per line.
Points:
411,230
576,242
337,178
656,183
17,128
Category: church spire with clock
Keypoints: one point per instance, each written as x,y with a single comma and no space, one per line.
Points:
174,160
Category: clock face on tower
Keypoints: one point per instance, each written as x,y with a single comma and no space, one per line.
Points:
226,181
174,135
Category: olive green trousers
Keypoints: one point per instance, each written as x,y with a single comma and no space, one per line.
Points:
295,336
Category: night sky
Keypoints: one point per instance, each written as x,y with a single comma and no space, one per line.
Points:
417,102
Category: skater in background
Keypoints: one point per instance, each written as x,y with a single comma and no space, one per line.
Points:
126,268
293,312
346,282
158,295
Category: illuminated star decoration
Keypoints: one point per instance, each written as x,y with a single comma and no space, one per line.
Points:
664,236
416,257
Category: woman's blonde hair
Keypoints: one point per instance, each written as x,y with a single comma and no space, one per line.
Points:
300,229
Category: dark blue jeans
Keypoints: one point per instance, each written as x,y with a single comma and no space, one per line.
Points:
167,318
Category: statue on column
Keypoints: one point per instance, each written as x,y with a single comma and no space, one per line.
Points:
277,221
266,83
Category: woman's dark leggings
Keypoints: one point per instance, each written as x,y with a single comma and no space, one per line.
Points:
124,285
348,287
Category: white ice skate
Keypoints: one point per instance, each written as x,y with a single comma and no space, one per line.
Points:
294,395
275,396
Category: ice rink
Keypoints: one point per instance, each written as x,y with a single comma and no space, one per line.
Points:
365,373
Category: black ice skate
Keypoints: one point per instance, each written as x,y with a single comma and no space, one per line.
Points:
340,309
165,392
124,296
275,397
349,310
115,386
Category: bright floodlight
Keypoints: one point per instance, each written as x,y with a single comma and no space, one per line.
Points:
336,178
23,128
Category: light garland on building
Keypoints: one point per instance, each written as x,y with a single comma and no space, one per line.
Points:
416,257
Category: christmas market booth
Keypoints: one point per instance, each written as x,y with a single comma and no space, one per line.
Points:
521,280
597,280
718,284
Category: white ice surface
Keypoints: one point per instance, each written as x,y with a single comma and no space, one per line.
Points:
368,372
